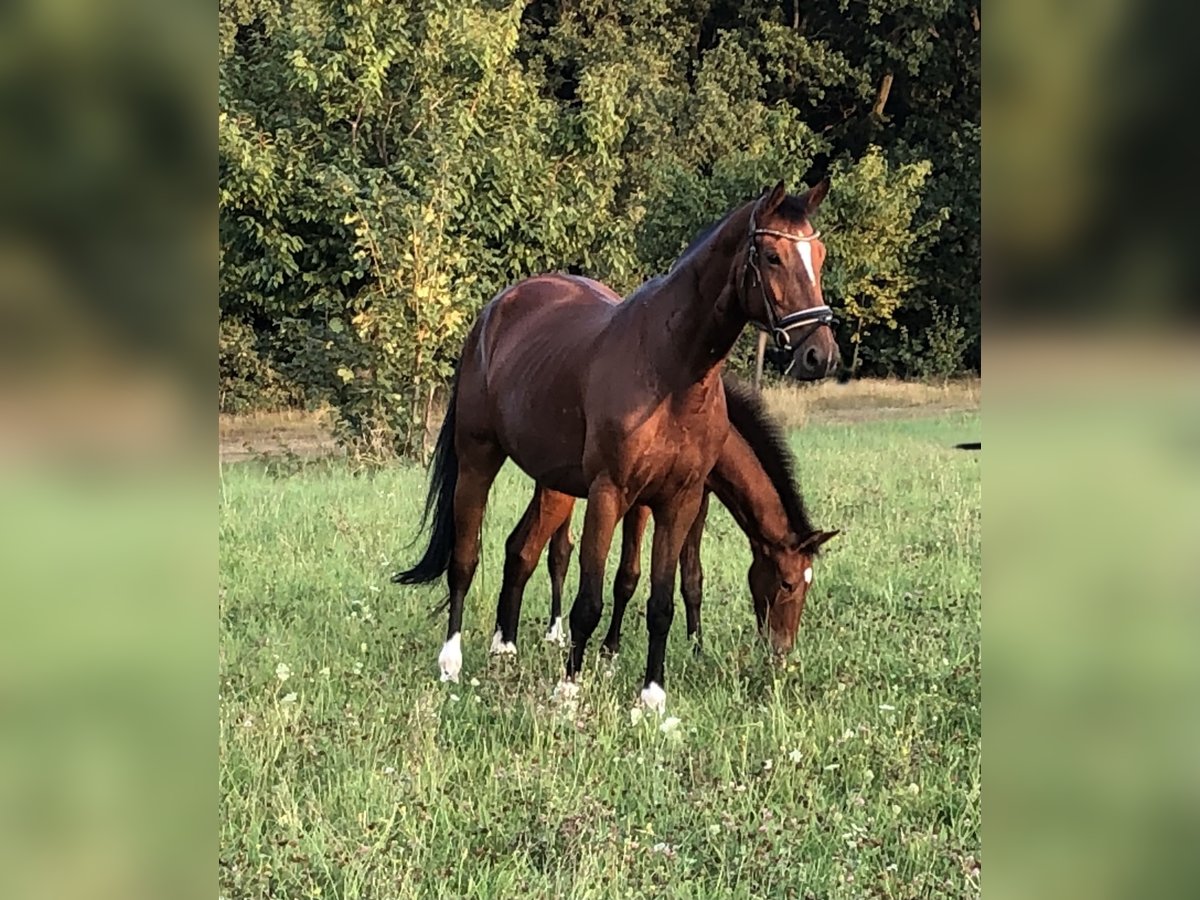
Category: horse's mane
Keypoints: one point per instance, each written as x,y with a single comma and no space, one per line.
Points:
704,235
748,414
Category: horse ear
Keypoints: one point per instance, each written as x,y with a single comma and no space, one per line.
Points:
813,542
814,195
771,200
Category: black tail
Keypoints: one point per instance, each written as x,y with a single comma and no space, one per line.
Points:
974,445
443,476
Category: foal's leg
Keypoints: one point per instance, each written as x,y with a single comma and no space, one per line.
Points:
478,464
691,574
546,512
672,522
630,570
557,561
606,504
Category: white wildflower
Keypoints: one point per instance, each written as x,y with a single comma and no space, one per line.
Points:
635,715
283,672
887,707
795,756
474,682
768,764
670,723
289,698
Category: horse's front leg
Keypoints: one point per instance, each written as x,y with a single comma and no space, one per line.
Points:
606,504
691,574
672,522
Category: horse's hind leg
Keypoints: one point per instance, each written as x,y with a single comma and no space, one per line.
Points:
547,511
557,561
691,574
633,526
606,505
478,463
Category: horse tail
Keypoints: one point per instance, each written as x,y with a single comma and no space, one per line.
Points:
443,478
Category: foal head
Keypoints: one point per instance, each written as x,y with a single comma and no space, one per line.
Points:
780,577
781,279
757,468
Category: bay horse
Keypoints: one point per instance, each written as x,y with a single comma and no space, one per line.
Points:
620,404
753,478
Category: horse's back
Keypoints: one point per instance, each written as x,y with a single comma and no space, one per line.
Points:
531,351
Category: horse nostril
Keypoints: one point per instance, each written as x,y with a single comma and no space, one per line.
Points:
811,358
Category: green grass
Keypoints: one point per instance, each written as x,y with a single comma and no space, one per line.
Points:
851,771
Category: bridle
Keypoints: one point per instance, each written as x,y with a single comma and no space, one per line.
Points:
781,327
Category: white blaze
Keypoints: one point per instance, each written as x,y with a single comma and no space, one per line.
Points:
450,659
808,575
804,248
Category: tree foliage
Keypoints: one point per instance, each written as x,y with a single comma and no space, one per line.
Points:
387,168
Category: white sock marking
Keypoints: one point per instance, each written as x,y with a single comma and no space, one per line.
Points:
808,575
556,634
501,647
654,698
450,659
804,248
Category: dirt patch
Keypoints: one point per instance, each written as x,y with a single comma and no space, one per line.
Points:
290,432
309,434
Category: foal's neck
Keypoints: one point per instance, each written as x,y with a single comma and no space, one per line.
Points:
694,315
743,486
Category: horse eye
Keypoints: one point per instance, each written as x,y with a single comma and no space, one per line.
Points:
773,257
786,585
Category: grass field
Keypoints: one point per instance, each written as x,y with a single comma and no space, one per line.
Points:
348,770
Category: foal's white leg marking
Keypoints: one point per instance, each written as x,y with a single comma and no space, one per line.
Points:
808,575
556,635
804,248
654,697
450,659
501,647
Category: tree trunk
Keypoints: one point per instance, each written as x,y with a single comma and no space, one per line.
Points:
881,100
425,429
758,361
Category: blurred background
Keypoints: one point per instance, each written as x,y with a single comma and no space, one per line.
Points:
110,331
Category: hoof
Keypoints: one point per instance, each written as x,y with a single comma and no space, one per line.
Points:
610,651
501,647
556,634
450,659
654,698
